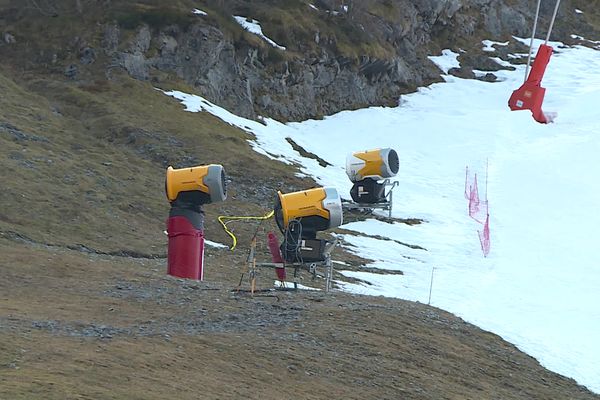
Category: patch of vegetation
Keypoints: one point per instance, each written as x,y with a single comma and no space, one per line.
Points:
307,154
156,18
303,30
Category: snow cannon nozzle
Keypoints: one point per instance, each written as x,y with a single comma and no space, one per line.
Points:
198,185
315,209
377,164
366,168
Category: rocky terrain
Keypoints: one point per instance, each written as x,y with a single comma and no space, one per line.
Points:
86,309
337,54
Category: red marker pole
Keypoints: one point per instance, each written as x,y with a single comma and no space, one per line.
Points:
276,255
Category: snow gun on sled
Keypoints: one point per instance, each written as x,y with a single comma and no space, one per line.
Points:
365,168
300,215
369,171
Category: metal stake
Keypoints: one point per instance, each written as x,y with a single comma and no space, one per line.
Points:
430,286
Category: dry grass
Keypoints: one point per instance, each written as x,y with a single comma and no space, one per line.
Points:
91,167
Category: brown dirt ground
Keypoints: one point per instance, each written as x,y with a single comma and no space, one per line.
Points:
78,325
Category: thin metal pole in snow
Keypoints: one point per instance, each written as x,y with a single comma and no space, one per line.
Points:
430,286
537,13
487,165
552,21
391,199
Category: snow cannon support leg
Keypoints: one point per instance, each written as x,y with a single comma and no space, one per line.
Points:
530,95
185,228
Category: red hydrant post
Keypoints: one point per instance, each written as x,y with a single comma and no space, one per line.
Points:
186,248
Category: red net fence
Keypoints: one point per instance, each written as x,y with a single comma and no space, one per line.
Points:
478,209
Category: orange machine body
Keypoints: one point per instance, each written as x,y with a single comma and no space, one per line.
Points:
303,204
185,180
203,184
373,162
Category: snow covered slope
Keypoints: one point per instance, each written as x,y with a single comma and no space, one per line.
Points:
539,286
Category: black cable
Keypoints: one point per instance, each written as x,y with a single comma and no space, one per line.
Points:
293,240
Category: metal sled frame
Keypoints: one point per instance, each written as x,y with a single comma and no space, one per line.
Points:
386,206
326,264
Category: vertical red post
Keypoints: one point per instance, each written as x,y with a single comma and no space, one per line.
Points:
276,255
186,249
530,95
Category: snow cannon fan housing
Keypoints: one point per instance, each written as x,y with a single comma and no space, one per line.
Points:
198,185
365,168
376,164
316,210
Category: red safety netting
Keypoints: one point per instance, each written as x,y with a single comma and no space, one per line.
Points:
478,209
484,237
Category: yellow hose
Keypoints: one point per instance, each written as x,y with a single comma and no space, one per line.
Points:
225,219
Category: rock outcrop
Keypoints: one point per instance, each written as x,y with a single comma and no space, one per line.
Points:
339,54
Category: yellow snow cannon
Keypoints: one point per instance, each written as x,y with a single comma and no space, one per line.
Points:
315,209
199,185
376,164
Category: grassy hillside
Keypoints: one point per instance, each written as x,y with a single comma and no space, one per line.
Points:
84,164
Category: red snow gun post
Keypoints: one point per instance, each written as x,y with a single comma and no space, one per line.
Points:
530,95
188,189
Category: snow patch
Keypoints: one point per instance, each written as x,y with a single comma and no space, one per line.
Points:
537,42
215,244
584,39
290,285
488,45
501,62
446,61
270,135
253,26
341,263
199,12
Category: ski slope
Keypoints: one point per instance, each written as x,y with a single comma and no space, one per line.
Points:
539,286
